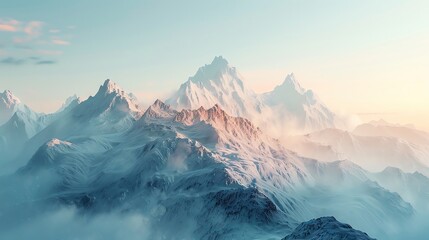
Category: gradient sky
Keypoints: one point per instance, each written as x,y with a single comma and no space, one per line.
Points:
361,57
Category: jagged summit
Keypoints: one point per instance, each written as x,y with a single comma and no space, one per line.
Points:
158,110
9,104
216,83
160,104
109,87
299,106
220,61
9,98
291,93
219,73
218,66
213,114
70,102
290,83
110,99
225,130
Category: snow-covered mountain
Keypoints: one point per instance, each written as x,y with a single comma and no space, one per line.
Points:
199,174
70,103
287,109
301,108
206,173
413,187
16,114
382,128
217,83
109,111
9,103
24,124
375,146
373,153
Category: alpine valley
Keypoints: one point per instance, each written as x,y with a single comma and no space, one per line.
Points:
214,160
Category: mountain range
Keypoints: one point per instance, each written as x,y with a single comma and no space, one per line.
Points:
288,107
206,165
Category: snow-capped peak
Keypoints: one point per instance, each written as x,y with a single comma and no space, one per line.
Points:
291,83
160,105
219,63
216,83
291,91
299,107
9,104
71,101
109,87
158,110
9,99
110,99
218,72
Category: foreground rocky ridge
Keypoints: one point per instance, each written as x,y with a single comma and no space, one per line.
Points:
326,228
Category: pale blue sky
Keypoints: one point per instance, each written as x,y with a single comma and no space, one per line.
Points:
360,56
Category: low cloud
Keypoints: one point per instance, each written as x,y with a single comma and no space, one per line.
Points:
28,60
12,61
67,223
45,62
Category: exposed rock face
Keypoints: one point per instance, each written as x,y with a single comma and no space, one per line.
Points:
326,228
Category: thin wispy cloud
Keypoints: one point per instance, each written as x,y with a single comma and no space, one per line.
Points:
9,25
60,42
48,52
24,40
33,28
